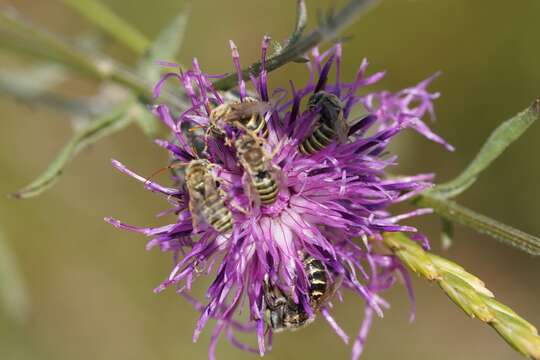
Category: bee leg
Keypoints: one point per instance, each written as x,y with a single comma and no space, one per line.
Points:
277,149
239,208
249,132
194,220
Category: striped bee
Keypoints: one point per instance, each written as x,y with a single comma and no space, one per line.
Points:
282,313
330,123
205,199
249,114
317,279
258,166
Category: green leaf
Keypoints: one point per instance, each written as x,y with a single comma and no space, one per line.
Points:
458,214
499,140
300,23
13,293
165,47
110,123
33,85
146,120
32,81
101,16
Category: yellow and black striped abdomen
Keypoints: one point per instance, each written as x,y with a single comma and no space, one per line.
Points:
317,278
217,214
320,138
266,187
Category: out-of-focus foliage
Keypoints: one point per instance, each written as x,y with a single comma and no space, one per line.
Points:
13,292
79,269
504,135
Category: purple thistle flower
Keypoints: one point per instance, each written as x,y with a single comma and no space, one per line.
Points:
328,204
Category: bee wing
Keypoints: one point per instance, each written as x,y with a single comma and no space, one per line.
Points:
195,206
246,109
341,127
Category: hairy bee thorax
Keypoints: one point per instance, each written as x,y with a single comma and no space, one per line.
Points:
248,114
205,198
258,166
329,124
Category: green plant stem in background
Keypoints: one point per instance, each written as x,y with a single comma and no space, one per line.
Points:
438,198
101,16
42,44
468,292
326,31
456,213
13,293
502,137
95,130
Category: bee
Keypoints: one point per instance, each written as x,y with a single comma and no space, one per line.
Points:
282,313
329,125
319,289
205,199
248,113
258,166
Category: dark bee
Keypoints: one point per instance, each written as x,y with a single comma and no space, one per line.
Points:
248,113
317,279
205,199
258,166
282,313
330,123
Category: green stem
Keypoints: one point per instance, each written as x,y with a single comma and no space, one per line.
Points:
101,16
468,292
456,213
325,32
40,43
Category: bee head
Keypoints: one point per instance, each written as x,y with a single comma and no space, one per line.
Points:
323,99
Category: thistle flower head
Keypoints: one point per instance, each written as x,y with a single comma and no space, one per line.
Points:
288,186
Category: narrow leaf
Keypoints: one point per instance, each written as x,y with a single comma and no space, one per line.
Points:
95,130
300,23
165,47
101,16
325,32
33,86
13,293
32,80
499,140
458,214
146,120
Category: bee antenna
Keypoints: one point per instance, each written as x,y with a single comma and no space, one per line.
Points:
157,172
195,128
194,151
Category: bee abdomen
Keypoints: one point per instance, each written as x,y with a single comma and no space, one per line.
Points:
267,190
318,140
218,216
317,278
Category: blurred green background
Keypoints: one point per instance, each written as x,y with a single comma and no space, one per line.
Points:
90,285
